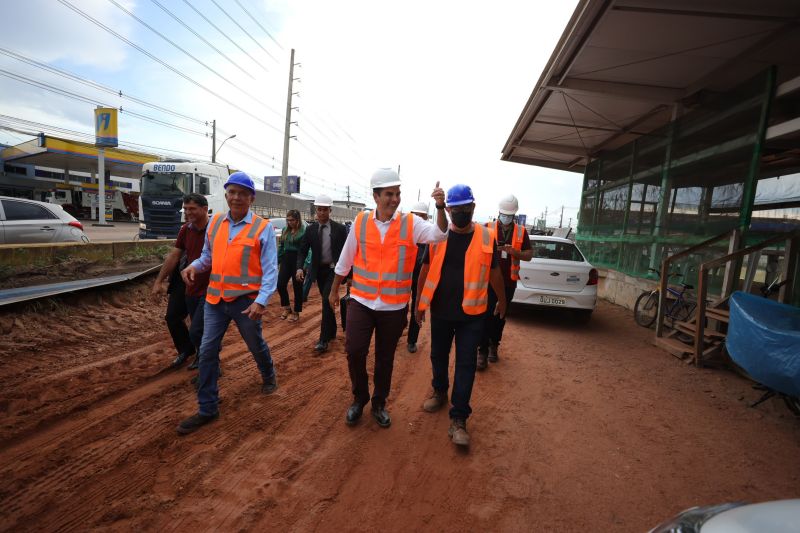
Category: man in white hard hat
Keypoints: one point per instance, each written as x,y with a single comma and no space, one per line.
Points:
514,246
421,210
325,238
381,250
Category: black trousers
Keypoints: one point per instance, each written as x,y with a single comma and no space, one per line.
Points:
286,271
324,278
387,326
493,324
413,327
176,316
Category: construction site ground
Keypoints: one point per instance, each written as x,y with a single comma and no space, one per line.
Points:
577,428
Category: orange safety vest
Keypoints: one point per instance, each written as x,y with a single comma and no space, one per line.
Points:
235,265
477,266
384,269
518,234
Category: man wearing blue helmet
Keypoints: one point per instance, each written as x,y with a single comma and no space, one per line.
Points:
454,284
241,252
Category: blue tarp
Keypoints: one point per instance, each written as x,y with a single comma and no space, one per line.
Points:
764,339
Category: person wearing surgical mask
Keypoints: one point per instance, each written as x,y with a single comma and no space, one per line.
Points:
514,246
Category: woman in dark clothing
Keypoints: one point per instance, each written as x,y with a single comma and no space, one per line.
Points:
287,261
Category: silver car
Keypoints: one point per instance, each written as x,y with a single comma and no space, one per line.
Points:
28,221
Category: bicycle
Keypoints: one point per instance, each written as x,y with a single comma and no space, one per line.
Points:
645,310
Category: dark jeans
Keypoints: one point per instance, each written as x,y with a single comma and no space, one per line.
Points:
413,327
217,319
467,334
388,326
176,317
328,325
493,324
287,270
195,305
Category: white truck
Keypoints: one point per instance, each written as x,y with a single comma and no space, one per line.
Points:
81,202
164,184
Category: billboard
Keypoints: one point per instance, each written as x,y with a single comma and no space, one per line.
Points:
522,219
273,184
105,127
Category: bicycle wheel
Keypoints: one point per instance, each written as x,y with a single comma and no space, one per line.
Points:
645,310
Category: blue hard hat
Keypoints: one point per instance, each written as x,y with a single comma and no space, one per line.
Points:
459,195
241,179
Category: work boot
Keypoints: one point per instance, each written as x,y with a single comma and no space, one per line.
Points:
270,385
435,401
195,422
458,432
482,354
381,416
493,353
354,413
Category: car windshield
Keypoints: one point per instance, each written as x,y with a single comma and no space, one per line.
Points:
565,251
169,184
278,223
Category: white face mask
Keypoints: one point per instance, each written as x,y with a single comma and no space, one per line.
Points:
506,219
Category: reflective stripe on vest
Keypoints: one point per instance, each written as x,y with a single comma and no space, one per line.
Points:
235,265
477,269
384,269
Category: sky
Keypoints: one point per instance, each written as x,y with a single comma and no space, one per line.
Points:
433,88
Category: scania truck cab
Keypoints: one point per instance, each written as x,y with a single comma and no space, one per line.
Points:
164,184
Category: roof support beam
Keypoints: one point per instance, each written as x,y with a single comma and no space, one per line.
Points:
593,127
552,148
698,13
647,93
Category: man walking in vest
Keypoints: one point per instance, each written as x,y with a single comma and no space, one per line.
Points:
381,249
241,251
454,283
514,246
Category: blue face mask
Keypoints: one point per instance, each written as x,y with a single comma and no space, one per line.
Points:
506,219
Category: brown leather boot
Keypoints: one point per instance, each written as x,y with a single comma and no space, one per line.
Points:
458,432
482,355
493,357
435,401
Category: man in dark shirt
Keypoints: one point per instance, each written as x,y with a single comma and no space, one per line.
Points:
456,289
420,209
514,246
186,299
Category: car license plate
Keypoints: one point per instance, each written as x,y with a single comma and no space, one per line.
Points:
549,300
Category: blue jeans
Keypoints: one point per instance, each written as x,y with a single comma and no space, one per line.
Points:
196,307
467,334
217,319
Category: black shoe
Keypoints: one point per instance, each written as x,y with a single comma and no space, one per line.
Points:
194,364
493,353
321,347
381,416
354,413
178,361
195,422
412,347
270,385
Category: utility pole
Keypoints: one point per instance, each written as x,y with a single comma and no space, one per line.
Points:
560,220
348,197
545,217
214,141
286,132
570,222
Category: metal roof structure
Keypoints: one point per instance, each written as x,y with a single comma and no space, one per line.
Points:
623,68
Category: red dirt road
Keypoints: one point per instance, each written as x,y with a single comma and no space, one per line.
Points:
577,428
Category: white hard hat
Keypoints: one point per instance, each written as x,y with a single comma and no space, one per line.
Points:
509,205
384,177
420,207
323,200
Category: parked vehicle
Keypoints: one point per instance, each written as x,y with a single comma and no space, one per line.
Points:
278,224
81,202
780,516
25,221
557,276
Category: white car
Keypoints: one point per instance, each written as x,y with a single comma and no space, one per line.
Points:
557,276
25,221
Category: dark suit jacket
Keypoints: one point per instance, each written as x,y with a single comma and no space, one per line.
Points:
311,240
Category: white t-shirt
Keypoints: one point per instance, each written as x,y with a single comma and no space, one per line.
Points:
424,232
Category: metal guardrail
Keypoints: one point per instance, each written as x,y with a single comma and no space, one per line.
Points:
35,292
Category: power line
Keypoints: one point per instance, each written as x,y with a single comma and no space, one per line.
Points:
259,25
244,30
95,85
163,63
217,50
170,41
225,35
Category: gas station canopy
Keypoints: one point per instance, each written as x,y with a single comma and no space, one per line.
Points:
54,152
624,68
